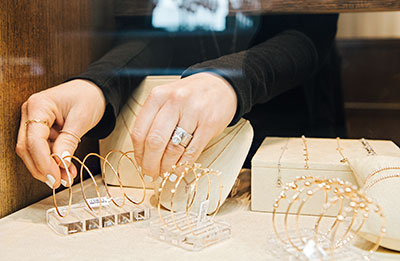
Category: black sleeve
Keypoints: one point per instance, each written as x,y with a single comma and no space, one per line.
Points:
121,70
290,50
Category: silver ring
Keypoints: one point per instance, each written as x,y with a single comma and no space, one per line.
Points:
181,137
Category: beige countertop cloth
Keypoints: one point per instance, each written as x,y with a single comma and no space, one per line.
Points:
24,235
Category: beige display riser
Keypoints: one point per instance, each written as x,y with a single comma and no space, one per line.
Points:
324,162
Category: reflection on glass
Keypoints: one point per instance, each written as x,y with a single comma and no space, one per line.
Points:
189,15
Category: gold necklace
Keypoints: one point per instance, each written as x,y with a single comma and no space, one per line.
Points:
306,156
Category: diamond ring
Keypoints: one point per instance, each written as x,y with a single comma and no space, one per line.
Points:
181,137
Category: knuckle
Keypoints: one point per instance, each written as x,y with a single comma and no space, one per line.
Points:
137,136
173,149
154,141
157,92
33,100
20,149
179,94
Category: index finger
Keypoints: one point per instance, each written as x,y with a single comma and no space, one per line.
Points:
37,135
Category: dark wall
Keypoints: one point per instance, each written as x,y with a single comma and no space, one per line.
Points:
371,85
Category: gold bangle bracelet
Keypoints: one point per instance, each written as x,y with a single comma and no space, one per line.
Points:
105,161
138,170
69,188
173,192
160,190
293,185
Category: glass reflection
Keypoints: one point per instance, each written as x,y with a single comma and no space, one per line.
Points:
189,15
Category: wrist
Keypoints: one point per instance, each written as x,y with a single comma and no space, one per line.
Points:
92,91
221,81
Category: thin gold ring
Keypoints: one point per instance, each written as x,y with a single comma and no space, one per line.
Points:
72,134
37,121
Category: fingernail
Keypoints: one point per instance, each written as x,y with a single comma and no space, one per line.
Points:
148,178
64,183
66,154
50,181
172,177
159,179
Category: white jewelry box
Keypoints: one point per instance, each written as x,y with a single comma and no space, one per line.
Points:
285,158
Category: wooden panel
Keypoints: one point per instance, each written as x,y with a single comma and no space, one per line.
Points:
141,7
42,43
371,80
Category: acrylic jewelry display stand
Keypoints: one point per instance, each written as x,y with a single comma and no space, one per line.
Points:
183,227
80,219
296,240
100,212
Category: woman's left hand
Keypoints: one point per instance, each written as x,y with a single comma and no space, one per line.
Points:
202,104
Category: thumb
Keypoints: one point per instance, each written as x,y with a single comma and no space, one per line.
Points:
65,145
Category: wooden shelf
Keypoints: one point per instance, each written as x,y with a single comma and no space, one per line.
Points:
141,7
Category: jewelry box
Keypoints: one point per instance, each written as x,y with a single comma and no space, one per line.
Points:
280,160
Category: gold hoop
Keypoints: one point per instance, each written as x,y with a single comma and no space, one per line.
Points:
81,183
125,154
69,188
105,161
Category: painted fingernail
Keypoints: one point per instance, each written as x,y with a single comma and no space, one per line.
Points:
50,181
66,154
64,183
172,177
148,178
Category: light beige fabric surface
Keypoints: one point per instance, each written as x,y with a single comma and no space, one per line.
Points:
386,193
24,235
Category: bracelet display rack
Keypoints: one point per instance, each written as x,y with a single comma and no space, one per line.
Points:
184,227
101,211
325,238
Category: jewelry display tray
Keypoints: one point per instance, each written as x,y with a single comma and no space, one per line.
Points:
312,251
81,219
284,159
194,237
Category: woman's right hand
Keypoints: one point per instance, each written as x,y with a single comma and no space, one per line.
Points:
76,106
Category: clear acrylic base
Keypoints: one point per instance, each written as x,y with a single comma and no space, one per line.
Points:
312,250
188,233
81,219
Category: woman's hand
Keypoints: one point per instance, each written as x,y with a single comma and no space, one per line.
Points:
75,106
202,104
